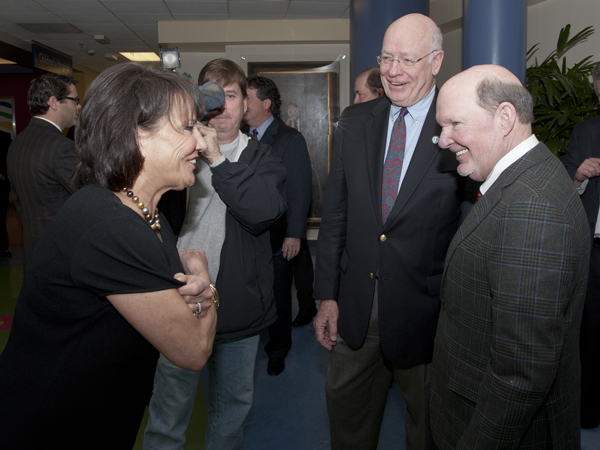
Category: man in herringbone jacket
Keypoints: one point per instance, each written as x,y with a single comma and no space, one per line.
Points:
41,160
506,359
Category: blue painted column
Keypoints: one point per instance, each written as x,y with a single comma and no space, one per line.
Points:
368,21
495,32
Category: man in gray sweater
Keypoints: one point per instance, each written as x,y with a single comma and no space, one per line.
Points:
237,196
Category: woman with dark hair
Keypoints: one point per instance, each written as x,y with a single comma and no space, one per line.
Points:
106,290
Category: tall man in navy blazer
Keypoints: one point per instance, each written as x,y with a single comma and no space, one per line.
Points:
378,281
505,371
41,160
582,162
287,144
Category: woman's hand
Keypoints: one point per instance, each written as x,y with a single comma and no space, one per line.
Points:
197,281
213,151
196,290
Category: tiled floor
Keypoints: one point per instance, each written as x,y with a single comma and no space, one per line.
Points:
289,411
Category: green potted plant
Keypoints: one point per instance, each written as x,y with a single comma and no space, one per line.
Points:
562,96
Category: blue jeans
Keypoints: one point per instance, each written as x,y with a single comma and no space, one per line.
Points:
230,387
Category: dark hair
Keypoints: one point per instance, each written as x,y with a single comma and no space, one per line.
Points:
267,89
374,80
44,87
123,99
492,92
225,72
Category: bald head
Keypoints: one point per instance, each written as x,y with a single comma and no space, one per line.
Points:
411,57
484,113
416,25
493,86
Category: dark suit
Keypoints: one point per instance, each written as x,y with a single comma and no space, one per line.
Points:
505,370
289,146
584,144
5,141
40,164
403,258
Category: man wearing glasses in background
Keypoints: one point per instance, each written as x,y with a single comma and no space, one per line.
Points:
41,160
392,205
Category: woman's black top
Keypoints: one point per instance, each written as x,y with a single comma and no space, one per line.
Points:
75,373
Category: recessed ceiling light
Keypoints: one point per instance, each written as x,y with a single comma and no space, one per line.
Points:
140,56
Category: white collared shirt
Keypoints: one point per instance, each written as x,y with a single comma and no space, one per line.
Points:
580,190
49,121
414,121
262,128
516,153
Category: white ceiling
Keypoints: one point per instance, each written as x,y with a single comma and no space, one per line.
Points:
131,25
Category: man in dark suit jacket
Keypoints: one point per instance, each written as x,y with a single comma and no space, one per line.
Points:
582,162
41,160
5,141
287,144
506,360
378,279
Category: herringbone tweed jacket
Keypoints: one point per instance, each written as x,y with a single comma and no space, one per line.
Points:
506,371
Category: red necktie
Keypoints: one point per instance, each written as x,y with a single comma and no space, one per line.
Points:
479,195
255,134
393,165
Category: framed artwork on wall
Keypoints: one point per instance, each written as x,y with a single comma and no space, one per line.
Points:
8,123
310,103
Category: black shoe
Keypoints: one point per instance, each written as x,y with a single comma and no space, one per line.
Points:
304,317
275,366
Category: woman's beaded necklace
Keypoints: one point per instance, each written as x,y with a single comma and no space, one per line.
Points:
152,219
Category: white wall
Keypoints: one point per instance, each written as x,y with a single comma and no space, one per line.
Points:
192,63
452,63
545,20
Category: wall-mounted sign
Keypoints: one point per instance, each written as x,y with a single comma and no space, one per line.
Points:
51,60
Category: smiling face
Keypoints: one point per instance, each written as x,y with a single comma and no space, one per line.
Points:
410,37
170,152
228,122
473,134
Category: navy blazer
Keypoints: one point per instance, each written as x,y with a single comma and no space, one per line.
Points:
289,146
584,144
40,166
406,254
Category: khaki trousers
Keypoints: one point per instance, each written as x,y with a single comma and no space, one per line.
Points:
357,388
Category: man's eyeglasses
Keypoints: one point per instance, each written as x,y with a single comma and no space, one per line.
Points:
75,99
405,63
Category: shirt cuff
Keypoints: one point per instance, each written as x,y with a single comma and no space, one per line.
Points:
582,186
217,162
